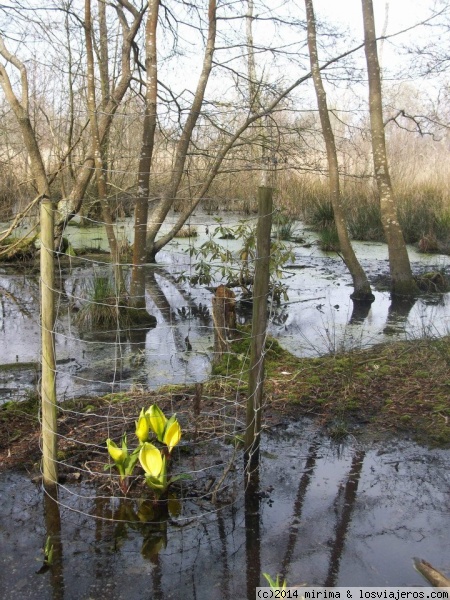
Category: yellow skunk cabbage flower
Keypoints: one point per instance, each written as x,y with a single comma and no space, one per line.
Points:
142,427
157,421
118,455
151,460
172,434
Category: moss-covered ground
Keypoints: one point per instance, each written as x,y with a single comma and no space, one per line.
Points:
402,388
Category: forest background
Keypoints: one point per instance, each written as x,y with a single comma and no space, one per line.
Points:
174,104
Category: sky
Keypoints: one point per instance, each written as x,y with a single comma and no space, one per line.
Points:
401,13
391,16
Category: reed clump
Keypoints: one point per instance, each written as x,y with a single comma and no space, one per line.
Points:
103,308
423,211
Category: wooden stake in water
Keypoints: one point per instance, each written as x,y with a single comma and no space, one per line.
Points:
259,330
48,384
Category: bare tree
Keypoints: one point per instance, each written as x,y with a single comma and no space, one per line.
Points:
402,281
162,208
130,19
227,139
137,290
361,286
20,105
97,146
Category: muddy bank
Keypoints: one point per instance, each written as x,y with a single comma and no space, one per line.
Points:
398,388
352,512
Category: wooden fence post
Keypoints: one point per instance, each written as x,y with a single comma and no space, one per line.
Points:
48,382
259,330
224,320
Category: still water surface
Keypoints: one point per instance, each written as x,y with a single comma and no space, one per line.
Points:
318,318
325,514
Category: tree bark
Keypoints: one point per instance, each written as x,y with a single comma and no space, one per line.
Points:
253,88
164,205
97,152
361,286
70,206
137,289
402,281
20,108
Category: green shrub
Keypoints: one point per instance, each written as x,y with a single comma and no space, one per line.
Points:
321,215
284,227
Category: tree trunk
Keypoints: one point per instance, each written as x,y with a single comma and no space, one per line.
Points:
70,206
253,88
164,205
361,286
20,108
402,281
97,152
137,289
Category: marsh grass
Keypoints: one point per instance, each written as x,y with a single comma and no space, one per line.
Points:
101,308
329,239
321,216
285,227
423,211
104,309
364,222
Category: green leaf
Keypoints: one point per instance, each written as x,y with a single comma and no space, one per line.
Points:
179,477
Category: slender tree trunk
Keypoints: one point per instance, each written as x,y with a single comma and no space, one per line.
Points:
70,206
361,286
20,107
105,84
402,281
97,152
137,291
164,205
70,83
258,148
103,62
253,88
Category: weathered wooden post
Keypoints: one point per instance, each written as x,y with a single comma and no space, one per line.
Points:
48,382
259,330
224,319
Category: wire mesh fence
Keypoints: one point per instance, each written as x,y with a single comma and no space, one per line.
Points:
108,369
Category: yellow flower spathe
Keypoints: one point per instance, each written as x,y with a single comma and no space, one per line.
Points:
157,421
151,459
142,427
117,454
172,434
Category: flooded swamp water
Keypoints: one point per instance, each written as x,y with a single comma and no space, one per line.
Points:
318,318
323,514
